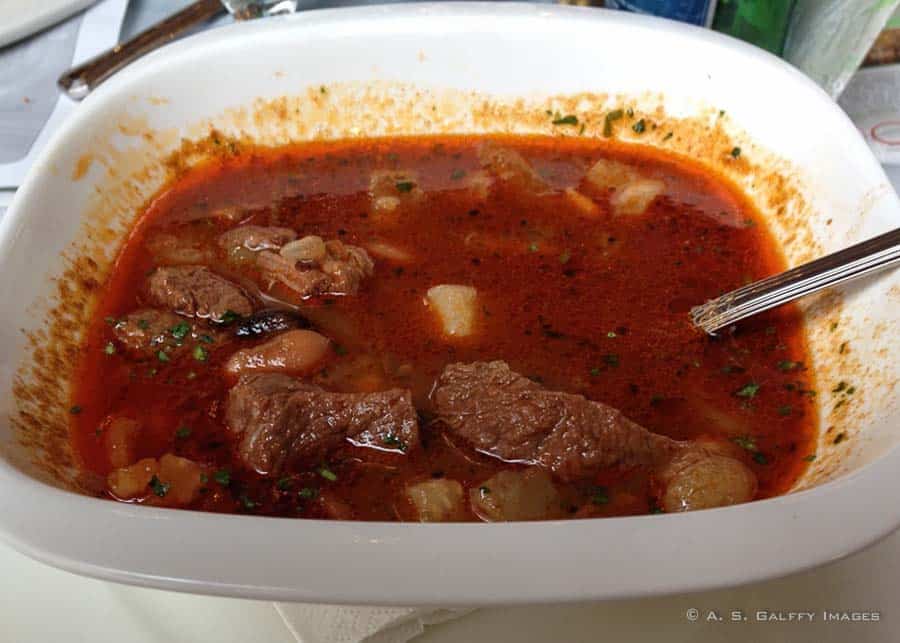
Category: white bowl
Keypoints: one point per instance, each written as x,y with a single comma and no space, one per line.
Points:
409,69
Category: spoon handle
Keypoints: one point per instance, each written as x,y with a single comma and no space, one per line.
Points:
860,259
79,81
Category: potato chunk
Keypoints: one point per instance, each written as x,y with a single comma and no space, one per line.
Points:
437,500
456,307
119,440
183,478
296,352
632,194
127,483
516,495
701,480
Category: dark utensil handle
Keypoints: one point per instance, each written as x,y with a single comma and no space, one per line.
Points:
79,81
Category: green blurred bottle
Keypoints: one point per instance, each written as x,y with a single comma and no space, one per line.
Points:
763,23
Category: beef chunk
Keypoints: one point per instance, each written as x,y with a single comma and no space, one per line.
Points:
507,415
254,237
196,291
147,331
283,420
311,267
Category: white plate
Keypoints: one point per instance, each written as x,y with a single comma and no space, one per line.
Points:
501,49
20,18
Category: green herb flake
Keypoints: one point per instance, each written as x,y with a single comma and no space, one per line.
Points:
748,391
183,432
595,372
75,410
532,247
840,437
110,348
200,353
657,510
307,493
611,334
565,257
283,484
339,349
404,186
639,127
392,440
810,458
600,496
746,442
611,359
760,458
180,330
569,119
327,473
246,502
851,390
785,410
611,117
206,339
223,477
629,112
143,324
228,317
162,356
158,487
834,326
203,477
735,152
457,174
581,129
787,365
322,89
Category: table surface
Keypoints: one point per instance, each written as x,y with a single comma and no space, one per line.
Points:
39,603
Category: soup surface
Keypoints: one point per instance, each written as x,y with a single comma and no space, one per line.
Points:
302,366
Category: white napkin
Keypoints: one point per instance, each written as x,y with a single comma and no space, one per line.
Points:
348,624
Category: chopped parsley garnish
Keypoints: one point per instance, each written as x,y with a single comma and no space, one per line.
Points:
810,458
611,334
180,331
760,458
283,484
657,510
787,365
457,174
200,353
339,349
404,186
327,473
569,119
732,368
203,477
206,339
75,410
611,117
228,317
611,359
735,152
143,324
785,410
749,390
307,493
158,487
162,356
532,247
183,432
639,127
246,502
110,348
565,256
223,477
595,372
599,496
392,440
745,442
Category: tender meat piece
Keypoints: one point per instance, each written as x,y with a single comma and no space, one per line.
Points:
283,420
254,237
196,291
337,270
147,331
507,415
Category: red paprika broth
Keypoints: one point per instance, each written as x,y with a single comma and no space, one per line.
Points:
590,304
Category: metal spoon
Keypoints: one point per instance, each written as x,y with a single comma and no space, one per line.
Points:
878,253
79,81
